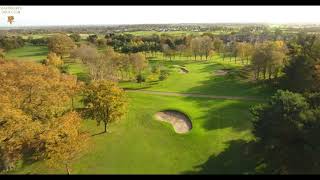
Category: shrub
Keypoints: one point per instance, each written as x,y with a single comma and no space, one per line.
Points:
163,75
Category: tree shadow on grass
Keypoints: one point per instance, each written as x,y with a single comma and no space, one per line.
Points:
226,113
229,85
96,134
136,88
34,54
239,158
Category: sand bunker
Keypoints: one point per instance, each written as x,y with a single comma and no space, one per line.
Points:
180,122
220,72
183,70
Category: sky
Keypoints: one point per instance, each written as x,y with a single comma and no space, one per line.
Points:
100,15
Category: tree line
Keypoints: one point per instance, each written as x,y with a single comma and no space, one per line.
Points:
287,126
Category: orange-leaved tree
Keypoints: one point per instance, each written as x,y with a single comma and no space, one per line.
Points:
105,102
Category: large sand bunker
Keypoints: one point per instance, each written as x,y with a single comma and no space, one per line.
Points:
180,122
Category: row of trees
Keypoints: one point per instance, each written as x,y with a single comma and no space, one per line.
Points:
11,42
268,58
110,64
287,127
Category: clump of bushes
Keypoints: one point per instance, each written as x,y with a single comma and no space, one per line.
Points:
163,74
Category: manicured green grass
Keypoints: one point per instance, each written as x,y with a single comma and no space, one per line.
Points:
28,52
140,144
79,70
201,79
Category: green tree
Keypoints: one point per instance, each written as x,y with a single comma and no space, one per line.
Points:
75,37
92,38
299,74
287,130
140,78
163,74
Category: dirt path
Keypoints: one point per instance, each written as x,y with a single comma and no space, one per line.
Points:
196,95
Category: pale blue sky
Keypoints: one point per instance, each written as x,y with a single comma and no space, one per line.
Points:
88,15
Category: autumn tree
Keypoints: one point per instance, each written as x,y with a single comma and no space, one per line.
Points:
244,51
268,58
167,51
62,142
181,49
241,51
100,65
32,97
206,46
258,62
40,91
195,45
17,131
61,44
85,53
218,45
138,62
249,49
101,43
53,60
104,102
